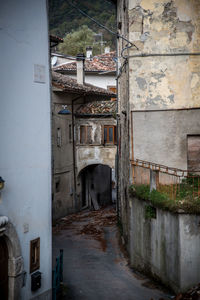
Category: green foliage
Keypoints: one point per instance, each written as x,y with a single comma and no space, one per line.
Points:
63,19
150,212
184,202
77,41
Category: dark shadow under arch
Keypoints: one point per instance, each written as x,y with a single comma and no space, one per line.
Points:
96,185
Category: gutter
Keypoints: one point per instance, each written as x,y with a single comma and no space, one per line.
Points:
94,115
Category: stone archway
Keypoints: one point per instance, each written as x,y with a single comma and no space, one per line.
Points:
95,186
15,260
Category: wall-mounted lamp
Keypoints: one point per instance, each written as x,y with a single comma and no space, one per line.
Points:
1,183
64,111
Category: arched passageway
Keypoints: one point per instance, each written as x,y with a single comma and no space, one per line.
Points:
96,186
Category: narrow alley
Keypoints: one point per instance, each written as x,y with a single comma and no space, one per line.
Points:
94,265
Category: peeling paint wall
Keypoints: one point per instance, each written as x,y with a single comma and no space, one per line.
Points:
94,153
164,27
163,87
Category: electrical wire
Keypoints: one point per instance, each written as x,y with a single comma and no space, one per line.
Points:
104,27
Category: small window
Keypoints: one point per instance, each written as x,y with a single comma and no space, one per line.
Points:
59,138
85,134
58,185
34,255
110,134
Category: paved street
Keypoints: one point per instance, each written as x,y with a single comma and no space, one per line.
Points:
94,264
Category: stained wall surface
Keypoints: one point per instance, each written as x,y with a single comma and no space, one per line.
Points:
169,28
165,246
25,147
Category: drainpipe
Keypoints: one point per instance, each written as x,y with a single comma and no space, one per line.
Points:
74,147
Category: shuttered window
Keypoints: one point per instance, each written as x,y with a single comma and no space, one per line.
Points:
85,134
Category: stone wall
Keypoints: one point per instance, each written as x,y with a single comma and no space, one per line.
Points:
166,247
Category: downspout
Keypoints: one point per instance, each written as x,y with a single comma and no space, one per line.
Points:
74,148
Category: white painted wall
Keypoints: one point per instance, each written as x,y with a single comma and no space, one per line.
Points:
25,144
102,81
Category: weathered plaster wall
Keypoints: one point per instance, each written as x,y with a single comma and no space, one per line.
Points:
123,111
95,153
25,130
165,27
164,136
63,198
167,246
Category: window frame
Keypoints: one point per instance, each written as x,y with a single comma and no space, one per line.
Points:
114,134
86,140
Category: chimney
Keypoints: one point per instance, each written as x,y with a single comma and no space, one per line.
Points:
88,52
107,50
80,60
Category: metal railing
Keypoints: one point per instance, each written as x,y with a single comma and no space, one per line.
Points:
58,276
178,184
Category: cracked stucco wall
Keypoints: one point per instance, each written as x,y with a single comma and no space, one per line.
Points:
94,153
167,27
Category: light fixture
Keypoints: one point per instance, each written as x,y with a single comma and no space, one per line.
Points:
1,183
64,111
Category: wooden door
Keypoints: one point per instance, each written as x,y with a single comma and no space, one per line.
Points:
193,153
3,269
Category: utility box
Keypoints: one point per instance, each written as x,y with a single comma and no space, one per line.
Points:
35,281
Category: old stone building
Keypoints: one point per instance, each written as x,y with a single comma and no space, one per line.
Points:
67,95
96,152
158,86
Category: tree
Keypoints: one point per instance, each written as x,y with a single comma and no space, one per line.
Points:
77,41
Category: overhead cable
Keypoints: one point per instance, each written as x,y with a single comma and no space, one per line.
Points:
104,27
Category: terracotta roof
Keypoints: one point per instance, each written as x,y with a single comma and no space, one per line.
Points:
97,107
99,63
54,38
66,83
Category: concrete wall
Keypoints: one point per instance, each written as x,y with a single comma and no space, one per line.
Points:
164,135
25,147
166,246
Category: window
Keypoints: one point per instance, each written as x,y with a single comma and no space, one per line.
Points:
85,134
110,134
57,183
59,141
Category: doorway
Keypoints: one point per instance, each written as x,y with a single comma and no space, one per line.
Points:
3,269
96,181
